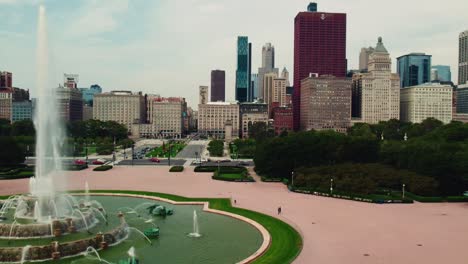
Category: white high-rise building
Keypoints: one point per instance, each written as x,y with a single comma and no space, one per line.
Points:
364,58
285,75
122,107
376,94
427,100
278,94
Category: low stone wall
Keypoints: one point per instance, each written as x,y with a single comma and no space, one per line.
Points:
59,227
68,249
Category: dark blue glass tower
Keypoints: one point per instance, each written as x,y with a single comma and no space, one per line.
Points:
244,91
414,69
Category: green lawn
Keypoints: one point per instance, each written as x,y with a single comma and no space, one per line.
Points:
231,175
164,152
286,242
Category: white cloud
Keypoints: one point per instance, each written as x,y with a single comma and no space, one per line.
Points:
96,17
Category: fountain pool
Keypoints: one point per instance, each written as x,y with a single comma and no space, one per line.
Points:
224,239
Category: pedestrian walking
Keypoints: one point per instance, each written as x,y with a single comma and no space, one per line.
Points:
235,201
279,210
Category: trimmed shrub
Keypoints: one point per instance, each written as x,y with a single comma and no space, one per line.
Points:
75,167
103,168
176,169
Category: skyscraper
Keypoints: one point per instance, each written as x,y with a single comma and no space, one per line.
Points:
218,86
203,95
376,94
463,57
443,73
364,58
255,84
268,66
244,91
319,47
414,69
285,75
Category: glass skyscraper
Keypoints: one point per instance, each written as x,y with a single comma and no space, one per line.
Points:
443,73
88,93
244,91
414,69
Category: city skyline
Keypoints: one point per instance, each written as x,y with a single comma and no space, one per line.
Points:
100,40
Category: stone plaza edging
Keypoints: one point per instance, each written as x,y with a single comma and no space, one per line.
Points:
265,235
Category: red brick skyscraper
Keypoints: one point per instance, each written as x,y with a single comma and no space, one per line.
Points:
319,47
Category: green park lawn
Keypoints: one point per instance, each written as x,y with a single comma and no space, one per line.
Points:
164,152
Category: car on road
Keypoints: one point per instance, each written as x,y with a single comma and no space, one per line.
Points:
79,162
243,163
226,160
196,162
99,162
155,160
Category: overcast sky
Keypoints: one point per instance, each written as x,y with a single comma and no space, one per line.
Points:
169,47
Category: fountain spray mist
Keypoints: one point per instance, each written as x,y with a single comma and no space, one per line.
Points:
49,128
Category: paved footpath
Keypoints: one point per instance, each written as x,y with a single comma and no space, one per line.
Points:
334,231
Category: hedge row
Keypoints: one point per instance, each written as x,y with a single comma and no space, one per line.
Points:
221,178
223,169
354,197
176,169
103,168
437,199
75,167
265,179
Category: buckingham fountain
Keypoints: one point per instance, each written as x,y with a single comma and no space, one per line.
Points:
51,225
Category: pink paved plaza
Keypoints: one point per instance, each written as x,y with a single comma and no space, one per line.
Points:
334,231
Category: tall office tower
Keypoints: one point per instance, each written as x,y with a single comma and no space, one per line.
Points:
463,57
203,96
319,47
70,103
70,80
444,74
462,99
376,94
88,93
268,66
244,93
364,58
268,84
218,86
254,82
326,103
6,79
414,69
285,75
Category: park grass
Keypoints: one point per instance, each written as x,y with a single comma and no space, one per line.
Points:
286,242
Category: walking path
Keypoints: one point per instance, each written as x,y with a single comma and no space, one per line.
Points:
334,231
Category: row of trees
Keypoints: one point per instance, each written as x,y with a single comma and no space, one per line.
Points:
431,149
96,135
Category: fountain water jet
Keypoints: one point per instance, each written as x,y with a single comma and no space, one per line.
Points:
141,233
24,253
196,231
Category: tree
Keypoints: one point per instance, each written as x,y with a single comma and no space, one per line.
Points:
23,128
216,148
14,154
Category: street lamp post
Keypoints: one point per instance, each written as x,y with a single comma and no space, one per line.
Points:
292,178
331,186
86,151
133,151
403,191
170,152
